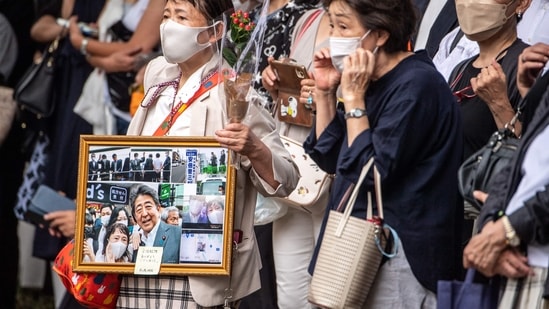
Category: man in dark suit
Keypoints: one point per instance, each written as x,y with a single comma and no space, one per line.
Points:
154,232
116,167
105,167
166,167
135,167
148,169
439,21
93,168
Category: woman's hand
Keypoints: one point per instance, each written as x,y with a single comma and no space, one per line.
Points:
511,264
484,249
75,34
269,79
120,61
357,74
325,75
109,257
491,86
87,251
239,138
61,223
307,94
531,61
135,240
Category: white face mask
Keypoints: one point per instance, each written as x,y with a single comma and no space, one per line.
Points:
125,222
341,47
179,42
105,220
215,217
118,249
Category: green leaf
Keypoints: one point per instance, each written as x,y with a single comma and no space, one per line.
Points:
229,56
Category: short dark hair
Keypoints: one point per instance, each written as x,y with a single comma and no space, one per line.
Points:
397,17
111,229
106,205
211,9
142,190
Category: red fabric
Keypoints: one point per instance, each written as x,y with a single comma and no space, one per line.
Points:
94,290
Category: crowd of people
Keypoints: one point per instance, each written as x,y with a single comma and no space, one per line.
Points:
417,85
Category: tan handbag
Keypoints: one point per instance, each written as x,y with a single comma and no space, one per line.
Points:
7,111
314,183
350,253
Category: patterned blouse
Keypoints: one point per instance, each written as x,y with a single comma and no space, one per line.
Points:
278,35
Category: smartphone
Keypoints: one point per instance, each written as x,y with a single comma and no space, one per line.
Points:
84,28
289,74
44,201
288,108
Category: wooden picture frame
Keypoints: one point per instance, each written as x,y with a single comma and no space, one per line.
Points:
192,177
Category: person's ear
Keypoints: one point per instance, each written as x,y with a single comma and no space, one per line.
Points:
217,31
382,37
522,6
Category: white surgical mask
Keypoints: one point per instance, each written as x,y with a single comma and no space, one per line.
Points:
105,220
118,249
341,47
125,222
215,217
179,42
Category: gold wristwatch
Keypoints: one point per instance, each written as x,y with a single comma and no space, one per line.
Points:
510,234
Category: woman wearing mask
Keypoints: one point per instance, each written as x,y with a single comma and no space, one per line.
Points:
295,234
485,84
264,165
397,109
115,249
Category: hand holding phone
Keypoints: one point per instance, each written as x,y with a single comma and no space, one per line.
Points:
289,109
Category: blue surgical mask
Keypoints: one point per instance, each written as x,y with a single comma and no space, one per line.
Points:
341,47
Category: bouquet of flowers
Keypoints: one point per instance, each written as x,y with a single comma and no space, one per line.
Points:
241,49
240,30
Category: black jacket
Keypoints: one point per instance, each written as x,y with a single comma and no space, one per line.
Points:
531,222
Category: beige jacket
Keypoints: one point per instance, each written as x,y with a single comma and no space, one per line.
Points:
207,116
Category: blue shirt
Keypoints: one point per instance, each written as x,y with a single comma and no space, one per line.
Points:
415,137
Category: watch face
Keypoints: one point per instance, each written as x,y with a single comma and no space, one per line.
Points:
355,113
514,241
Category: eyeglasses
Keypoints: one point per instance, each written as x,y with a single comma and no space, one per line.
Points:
465,93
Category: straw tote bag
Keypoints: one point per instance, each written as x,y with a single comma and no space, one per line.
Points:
350,253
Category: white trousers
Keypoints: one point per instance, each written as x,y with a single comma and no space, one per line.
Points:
294,239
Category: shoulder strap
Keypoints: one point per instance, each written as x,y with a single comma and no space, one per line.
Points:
206,84
306,25
456,40
458,71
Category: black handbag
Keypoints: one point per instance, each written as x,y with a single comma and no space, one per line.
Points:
119,83
34,92
477,172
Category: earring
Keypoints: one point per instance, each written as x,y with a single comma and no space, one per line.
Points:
519,15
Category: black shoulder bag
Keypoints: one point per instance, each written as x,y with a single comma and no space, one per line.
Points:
478,171
34,92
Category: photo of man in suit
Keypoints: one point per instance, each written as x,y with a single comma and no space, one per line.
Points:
154,232
93,168
104,168
116,167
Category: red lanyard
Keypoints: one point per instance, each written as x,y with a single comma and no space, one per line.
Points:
207,83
